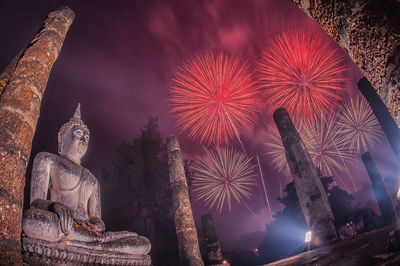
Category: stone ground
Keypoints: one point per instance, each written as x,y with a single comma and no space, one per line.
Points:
364,249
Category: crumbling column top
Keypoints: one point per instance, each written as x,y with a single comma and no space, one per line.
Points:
172,143
63,11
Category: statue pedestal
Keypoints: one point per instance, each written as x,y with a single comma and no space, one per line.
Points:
40,252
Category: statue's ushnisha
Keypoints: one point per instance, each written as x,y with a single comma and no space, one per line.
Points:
70,221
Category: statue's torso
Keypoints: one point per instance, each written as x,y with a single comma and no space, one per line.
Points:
72,185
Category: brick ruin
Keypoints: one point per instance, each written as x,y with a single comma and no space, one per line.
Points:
19,112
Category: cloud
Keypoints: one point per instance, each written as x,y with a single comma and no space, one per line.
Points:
234,39
162,23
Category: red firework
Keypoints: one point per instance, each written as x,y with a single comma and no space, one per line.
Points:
214,96
302,73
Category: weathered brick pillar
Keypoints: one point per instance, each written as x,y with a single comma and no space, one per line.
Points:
19,112
5,75
188,242
211,244
384,202
382,114
368,30
312,197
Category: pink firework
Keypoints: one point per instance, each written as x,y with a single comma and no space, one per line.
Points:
214,96
302,73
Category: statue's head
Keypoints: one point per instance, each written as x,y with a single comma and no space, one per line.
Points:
73,137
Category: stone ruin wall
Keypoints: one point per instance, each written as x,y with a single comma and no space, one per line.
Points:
369,31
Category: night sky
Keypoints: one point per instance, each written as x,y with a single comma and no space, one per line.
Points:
119,59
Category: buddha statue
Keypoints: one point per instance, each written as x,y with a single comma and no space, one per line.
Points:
63,223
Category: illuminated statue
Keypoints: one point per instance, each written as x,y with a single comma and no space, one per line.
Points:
70,221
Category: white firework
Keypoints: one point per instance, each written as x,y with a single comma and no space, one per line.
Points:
325,145
359,126
222,176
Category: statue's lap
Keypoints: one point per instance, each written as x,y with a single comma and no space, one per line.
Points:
45,225
45,242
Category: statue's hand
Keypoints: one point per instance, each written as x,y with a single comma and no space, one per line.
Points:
66,217
98,224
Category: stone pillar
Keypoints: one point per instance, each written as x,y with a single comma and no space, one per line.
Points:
369,32
188,243
211,245
19,112
384,202
312,197
386,121
5,75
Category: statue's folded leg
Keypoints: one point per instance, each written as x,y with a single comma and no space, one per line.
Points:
133,244
129,245
42,224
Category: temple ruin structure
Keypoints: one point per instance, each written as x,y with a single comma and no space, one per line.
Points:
312,197
212,249
384,202
19,111
382,114
188,243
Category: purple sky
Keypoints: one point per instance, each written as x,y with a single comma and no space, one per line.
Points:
118,61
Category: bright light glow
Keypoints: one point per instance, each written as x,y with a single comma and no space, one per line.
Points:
224,262
308,237
398,193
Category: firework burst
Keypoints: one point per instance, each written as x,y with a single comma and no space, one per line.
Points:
359,126
325,145
214,96
222,176
302,73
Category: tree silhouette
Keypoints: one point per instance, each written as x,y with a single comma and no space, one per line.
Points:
136,194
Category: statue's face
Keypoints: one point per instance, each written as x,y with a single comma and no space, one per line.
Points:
75,143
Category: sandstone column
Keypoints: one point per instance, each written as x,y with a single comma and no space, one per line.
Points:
19,112
188,242
211,244
5,75
384,202
312,197
369,32
386,121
